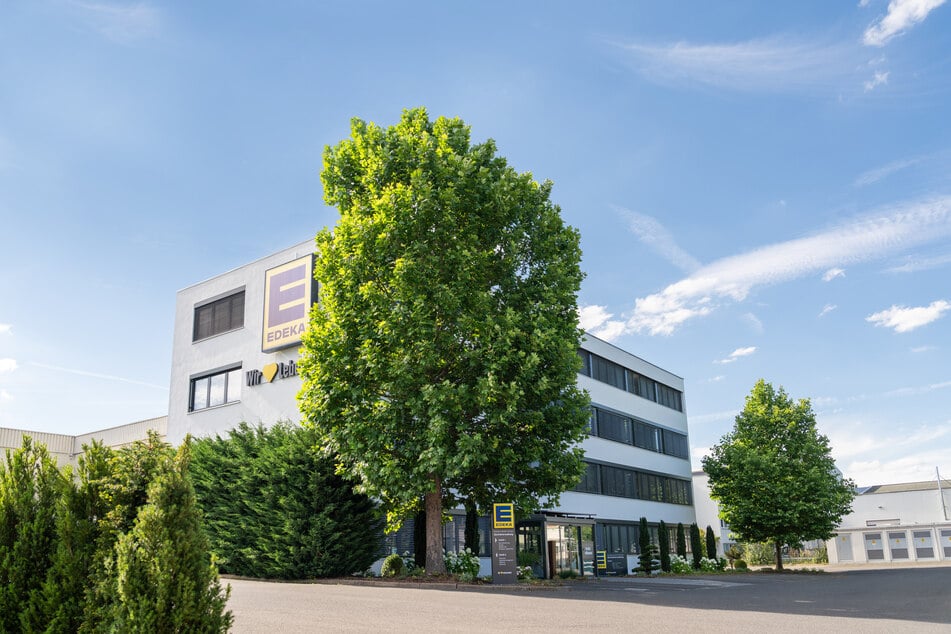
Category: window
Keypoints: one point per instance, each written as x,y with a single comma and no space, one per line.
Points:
215,389
601,369
620,538
614,427
619,428
218,316
622,482
590,482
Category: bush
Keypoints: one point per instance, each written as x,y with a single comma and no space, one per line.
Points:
696,546
464,564
663,545
273,507
567,573
679,565
709,565
759,554
525,573
741,565
392,566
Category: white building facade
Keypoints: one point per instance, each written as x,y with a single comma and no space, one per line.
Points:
896,523
234,359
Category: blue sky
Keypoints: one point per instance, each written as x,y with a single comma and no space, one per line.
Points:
763,189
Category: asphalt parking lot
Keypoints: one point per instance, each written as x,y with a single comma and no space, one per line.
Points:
861,600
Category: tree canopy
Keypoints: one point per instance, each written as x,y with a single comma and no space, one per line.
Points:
441,358
774,476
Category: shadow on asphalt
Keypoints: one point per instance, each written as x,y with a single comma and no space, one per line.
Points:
912,594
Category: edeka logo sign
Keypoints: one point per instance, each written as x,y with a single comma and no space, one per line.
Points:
270,372
288,295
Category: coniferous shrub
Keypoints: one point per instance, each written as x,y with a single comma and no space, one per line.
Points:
166,580
696,545
645,550
711,544
681,541
663,545
30,487
273,507
62,604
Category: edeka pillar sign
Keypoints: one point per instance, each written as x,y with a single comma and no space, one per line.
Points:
504,561
289,291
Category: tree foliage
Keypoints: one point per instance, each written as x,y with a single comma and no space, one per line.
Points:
696,546
60,559
30,487
166,580
711,543
274,507
774,476
663,544
441,358
681,541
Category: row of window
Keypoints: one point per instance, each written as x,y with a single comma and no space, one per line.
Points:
453,536
624,538
601,369
628,483
215,389
218,316
612,426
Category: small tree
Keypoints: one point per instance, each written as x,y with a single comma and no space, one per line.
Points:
681,541
711,544
166,580
472,528
774,476
663,543
645,552
696,545
30,488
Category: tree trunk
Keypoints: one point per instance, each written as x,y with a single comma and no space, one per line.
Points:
435,564
779,556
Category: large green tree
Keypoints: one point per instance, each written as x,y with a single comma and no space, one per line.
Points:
441,357
773,475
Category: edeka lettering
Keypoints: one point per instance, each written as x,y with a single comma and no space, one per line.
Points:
284,333
270,372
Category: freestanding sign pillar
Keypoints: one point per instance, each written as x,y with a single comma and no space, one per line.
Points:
504,561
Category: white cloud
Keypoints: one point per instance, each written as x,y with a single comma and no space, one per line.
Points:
906,319
731,279
736,354
880,78
120,23
920,349
597,320
920,389
97,375
653,234
913,265
7,365
901,16
877,174
714,379
6,329
828,308
833,273
5,396
776,64
754,322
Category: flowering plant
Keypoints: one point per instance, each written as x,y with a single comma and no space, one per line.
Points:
464,564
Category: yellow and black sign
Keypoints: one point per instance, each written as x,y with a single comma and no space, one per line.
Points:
288,294
602,559
503,515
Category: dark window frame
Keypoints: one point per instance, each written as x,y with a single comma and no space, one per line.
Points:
232,391
218,315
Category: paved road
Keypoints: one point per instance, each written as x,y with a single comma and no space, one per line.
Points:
902,600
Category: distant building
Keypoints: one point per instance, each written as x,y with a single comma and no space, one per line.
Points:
896,522
67,449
